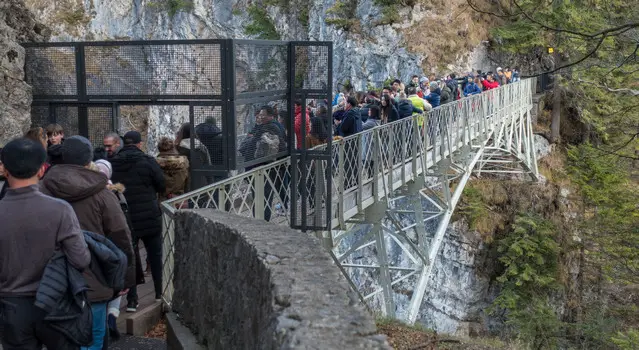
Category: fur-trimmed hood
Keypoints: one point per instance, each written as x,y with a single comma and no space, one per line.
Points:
118,187
172,161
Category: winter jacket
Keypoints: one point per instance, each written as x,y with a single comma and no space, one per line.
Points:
434,98
298,125
211,138
62,295
488,85
393,114
371,123
176,173
405,109
446,96
143,179
109,264
471,89
98,210
421,105
351,123
198,159
454,88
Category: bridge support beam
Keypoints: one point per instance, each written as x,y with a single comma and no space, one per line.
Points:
427,271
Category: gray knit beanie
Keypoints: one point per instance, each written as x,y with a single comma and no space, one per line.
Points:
77,150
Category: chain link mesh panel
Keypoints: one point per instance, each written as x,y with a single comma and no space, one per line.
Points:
67,118
210,147
51,70
311,67
260,67
39,116
100,121
154,69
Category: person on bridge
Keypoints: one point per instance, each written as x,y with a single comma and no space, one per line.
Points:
298,123
79,182
471,87
419,105
175,168
388,111
351,122
198,157
434,97
489,83
143,179
55,134
447,94
34,227
112,144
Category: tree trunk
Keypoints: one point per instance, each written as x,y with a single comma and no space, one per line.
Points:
556,112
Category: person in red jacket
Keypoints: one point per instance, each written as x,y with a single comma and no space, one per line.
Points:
298,124
490,83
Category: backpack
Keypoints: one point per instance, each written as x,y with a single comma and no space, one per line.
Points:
108,262
267,145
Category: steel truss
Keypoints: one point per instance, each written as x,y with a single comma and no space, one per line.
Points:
496,139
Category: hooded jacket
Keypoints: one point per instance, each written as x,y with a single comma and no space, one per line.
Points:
143,179
198,158
434,98
446,96
176,173
98,210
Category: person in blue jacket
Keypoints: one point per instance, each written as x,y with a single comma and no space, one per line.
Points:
471,88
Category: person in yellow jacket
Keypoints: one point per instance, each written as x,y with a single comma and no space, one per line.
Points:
419,103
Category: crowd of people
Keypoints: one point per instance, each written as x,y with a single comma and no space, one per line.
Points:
91,208
86,210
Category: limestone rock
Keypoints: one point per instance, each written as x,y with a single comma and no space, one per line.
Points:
542,146
17,25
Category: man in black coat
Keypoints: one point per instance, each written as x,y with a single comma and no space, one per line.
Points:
143,179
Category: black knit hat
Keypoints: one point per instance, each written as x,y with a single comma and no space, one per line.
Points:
77,150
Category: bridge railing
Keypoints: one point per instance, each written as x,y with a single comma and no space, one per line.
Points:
365,167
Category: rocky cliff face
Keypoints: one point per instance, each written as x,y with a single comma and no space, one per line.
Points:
436,36
17,25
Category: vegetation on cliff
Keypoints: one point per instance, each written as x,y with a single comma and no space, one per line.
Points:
590,300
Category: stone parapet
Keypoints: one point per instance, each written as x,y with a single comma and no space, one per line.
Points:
246,284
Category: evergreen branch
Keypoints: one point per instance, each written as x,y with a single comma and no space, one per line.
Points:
604,33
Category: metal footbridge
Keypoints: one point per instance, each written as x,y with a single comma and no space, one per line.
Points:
392,187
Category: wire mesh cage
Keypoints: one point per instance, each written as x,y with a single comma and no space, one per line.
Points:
260,66
51,70
154,69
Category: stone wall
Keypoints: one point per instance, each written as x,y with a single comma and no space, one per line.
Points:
246,284
17,25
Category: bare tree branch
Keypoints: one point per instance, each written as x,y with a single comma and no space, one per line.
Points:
606,32
585,57
604,86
